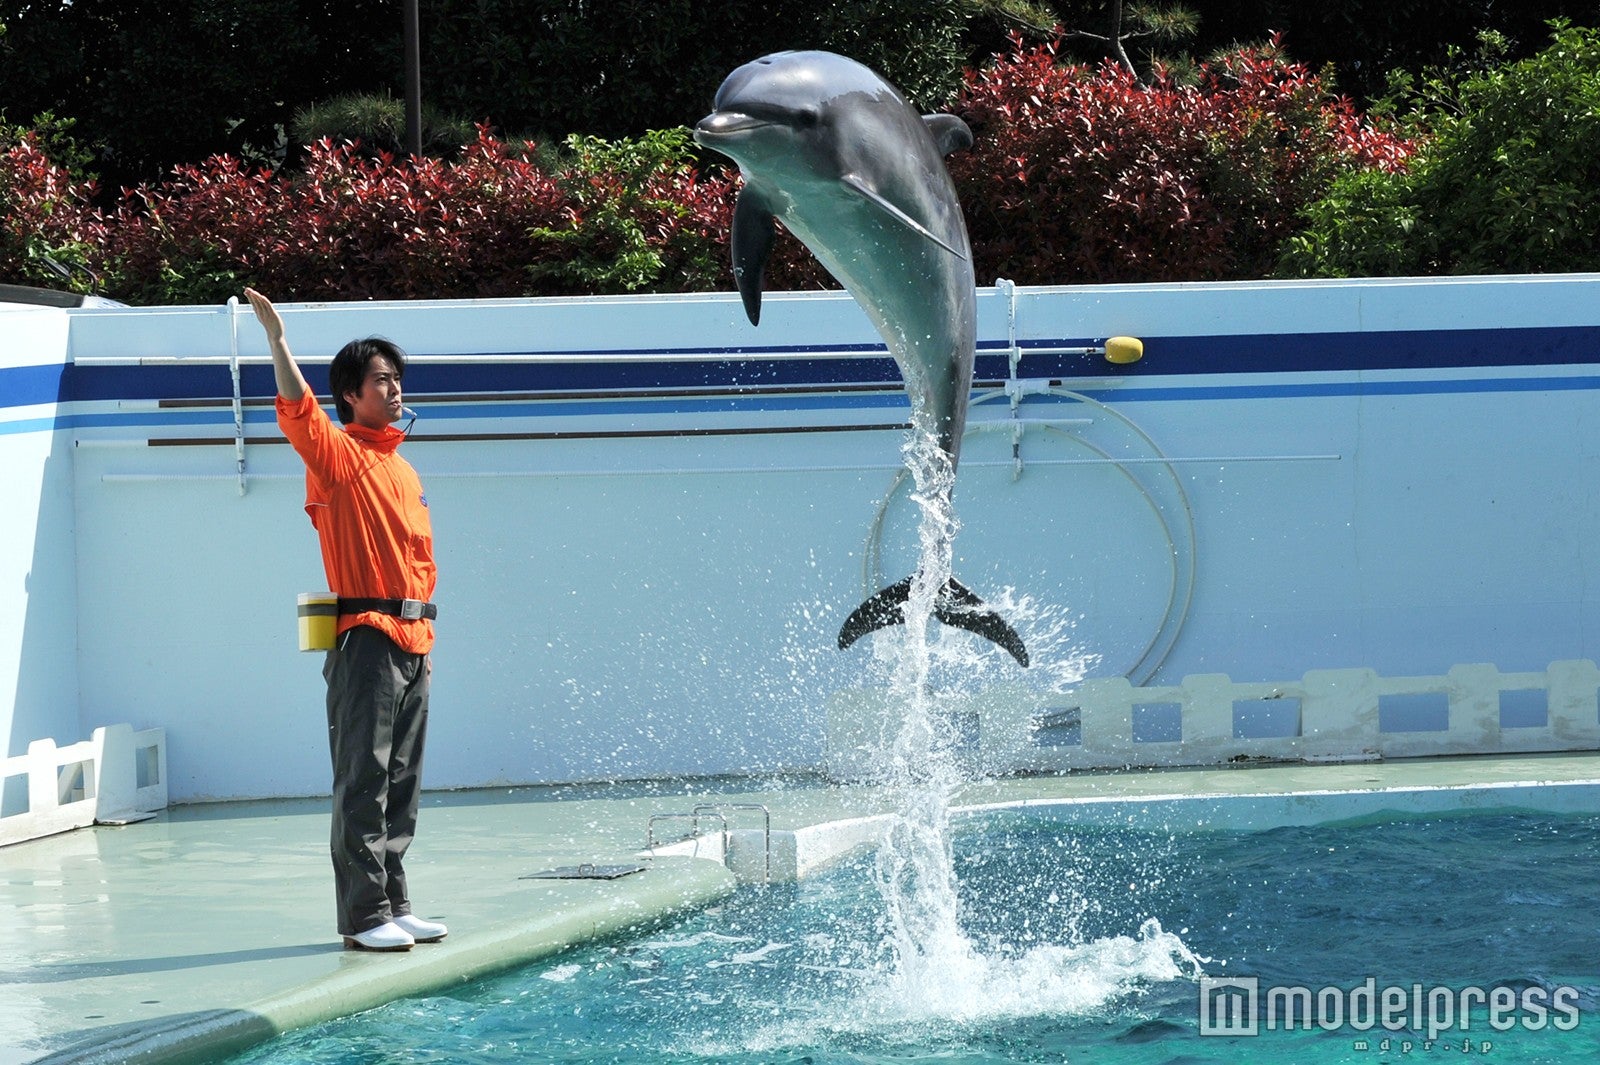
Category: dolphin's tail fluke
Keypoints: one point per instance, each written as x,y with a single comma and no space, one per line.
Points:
956,606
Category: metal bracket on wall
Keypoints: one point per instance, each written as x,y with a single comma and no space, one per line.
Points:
238,397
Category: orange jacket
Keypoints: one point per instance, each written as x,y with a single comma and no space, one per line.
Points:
367,505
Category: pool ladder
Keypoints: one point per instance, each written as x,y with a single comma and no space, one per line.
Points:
719,812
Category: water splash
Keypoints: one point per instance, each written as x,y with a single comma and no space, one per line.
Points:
936,970
915,871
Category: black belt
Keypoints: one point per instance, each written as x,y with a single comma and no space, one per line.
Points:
406,609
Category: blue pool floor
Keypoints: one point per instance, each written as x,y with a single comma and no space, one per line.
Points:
209,928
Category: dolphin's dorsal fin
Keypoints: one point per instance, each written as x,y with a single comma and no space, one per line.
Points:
871,195
949,133
753,231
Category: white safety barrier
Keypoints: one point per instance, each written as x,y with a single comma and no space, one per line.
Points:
116,776
1332,715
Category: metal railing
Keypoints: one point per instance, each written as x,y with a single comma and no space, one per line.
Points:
719,813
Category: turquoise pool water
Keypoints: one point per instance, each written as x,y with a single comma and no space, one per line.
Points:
1082,945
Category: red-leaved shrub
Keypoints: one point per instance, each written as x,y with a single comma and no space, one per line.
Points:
44,212
346,228
1084,175
496,223
1077,175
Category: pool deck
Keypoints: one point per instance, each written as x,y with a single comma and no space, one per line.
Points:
209,928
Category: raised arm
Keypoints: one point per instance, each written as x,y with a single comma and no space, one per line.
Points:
291,383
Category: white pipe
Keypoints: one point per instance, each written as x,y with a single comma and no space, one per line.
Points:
994,424
726,471
107,445
471,358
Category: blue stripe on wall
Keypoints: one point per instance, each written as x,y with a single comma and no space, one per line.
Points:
27,386
222,417
1393,350
742,368
1436,387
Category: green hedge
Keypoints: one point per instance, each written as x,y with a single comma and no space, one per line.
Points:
1508,180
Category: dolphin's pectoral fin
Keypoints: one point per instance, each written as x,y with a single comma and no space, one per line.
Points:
753,231
956,606
949,133
871,195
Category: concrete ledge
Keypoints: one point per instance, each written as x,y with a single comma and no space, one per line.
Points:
1239,811
579,912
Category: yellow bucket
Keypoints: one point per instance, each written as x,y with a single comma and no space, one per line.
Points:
319,620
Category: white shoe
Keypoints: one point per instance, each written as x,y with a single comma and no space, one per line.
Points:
385,937
420,930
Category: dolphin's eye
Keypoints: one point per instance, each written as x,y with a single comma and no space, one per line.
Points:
807,118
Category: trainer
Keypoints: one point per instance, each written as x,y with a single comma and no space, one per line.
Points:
371,517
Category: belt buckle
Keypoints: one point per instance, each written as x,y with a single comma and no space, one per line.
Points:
411,609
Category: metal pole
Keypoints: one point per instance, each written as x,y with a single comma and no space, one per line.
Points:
413,44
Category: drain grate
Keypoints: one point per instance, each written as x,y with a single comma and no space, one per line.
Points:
585,871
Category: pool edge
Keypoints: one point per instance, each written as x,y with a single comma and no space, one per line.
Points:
668,888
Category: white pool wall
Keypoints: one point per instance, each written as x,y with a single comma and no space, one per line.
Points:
643,599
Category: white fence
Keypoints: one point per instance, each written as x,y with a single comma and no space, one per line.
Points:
1333,715
116,776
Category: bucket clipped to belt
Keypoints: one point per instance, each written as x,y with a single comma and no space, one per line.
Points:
319,615
319,620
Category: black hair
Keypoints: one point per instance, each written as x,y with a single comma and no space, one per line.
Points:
348,371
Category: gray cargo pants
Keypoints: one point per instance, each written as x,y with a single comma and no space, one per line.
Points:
377,716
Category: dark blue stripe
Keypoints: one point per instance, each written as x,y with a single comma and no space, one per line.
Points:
1306,390
88,383
25,386
745,368
1393,350
91,383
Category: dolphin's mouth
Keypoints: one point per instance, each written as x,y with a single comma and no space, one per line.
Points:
721,124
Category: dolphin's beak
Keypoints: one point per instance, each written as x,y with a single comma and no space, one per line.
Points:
721,125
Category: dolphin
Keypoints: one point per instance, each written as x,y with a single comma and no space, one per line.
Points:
853,171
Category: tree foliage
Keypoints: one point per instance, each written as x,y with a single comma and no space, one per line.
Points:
640,217
555,67
1356,43
155,83
1509,180
1079,173
378,121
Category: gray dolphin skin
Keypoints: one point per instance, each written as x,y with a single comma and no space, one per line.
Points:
836,153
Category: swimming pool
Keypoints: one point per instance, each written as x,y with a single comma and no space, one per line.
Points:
1080,944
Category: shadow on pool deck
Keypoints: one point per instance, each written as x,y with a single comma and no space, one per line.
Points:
210,928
